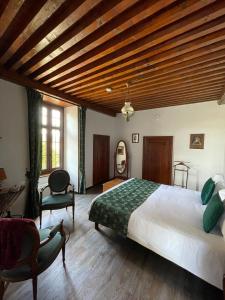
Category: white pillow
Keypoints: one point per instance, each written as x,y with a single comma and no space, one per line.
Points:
222,195
221,221
220,185
218,178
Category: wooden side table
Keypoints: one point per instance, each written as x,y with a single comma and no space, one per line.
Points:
111,183
7,200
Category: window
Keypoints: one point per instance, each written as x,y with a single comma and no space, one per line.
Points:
52,138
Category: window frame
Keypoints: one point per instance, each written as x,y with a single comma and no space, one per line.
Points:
49,128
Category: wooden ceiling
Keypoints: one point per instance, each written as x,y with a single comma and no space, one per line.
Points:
170,52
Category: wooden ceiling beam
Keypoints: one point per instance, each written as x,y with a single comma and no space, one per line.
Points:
173,102
146,92
170,16
171,48
24,16
53,21
164,58
160,70
183,73
165,94
113,42
163,101
175,81
96,12
176,51
13,76
3,5
176,103
178,94
121,18
184,86
175,98
145,56
176,63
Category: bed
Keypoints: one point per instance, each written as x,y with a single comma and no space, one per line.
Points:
168,222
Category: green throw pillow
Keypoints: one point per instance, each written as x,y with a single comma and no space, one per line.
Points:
212,213
207,191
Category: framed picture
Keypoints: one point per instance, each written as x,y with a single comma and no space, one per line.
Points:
135,137
197,141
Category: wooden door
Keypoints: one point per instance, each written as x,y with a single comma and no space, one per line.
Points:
101,146
157,158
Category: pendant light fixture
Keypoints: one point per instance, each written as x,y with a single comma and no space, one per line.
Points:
127,110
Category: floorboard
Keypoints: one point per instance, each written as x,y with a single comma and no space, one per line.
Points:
100,265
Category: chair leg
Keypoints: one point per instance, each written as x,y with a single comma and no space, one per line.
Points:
50,211
63,252
40,217
2,289
96,226
34,282
66,207
73,212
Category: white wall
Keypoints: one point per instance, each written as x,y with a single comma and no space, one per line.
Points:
180,122
97,123
14,155
71,143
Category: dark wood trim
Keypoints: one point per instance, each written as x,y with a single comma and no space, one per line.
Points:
13,76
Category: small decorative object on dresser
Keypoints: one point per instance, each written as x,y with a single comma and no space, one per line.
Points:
197,141
135,137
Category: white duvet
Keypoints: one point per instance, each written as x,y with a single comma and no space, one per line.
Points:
169,223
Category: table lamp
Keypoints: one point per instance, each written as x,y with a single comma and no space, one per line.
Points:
2,176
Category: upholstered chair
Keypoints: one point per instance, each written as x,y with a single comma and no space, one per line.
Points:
60,196
38,250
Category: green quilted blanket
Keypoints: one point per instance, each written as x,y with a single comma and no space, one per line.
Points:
113,209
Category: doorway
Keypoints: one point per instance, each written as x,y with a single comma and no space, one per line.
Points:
101,158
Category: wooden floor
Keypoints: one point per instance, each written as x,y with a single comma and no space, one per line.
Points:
103,266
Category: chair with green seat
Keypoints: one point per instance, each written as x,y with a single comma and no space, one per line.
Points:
60,197
39,249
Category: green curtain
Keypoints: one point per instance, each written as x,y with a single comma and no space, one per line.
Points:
82,125
34,102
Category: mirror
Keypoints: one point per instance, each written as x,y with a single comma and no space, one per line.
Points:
121,159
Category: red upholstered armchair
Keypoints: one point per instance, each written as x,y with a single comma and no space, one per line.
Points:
36,251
